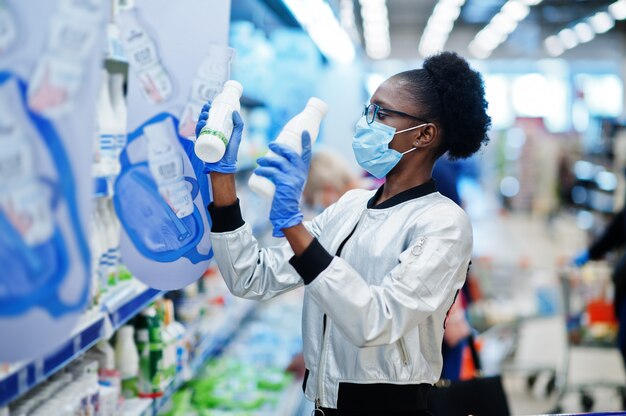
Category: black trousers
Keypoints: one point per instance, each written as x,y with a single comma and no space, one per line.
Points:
335,412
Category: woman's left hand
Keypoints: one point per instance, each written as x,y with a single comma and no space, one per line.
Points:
288,171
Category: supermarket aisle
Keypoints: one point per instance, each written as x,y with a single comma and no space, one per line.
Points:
524,336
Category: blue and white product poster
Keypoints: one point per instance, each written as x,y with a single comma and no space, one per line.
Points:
178,59
50,60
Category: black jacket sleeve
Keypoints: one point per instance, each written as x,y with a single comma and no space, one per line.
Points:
614,236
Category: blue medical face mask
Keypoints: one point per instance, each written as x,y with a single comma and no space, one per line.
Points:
371,147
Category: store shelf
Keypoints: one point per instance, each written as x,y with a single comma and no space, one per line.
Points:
210,345
119,307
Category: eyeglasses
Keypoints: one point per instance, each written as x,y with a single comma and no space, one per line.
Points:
371,111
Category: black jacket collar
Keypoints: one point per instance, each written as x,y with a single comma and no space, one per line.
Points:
413,193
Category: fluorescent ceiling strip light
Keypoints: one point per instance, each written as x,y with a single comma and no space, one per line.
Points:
319,21
439,26
376,28
554,46
601,22
618,10
586,30
503,24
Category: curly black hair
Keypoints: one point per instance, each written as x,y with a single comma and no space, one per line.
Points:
451,94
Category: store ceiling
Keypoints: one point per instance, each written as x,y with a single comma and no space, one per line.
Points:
410,16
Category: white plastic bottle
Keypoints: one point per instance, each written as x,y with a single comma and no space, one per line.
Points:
109,237
118,102
127,359
96,252
213,138
166,165
291,135
108,129
99,234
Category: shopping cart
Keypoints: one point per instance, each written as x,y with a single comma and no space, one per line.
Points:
591,330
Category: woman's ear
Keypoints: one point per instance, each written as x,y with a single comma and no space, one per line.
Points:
427,136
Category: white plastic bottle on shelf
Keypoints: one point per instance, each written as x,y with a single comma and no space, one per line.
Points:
213,138
116,230
291,135
99,243
166,165
127,359
110,239
118,101
108,127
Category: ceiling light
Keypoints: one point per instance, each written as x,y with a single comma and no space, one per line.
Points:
554,46
319,21
439,26
569,38
516,10
375,28
501,26
601,22
478,51
618,10
584,32
502,23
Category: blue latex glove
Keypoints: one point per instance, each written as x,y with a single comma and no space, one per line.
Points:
228,163
288,171
581,259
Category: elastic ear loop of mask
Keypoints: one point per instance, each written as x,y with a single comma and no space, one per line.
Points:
409,129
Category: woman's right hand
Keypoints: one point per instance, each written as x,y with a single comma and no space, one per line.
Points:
228,163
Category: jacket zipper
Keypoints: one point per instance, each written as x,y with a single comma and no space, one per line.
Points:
403,353
322,364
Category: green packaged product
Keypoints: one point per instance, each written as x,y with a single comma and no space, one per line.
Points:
150,348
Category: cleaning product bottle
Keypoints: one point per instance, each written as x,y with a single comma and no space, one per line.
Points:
166,165
127,360
116,87
291,135
213,138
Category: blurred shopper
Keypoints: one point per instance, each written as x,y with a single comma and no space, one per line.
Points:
613,238
457,327
381,268
329,178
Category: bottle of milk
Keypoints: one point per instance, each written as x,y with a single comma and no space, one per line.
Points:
213,138
291,135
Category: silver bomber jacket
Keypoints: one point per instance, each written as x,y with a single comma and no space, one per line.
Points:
385,298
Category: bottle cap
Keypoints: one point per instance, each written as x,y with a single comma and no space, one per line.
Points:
318,104
235,86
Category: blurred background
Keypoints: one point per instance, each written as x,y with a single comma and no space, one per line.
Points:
544,293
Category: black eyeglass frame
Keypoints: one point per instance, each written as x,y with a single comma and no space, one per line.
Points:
377,108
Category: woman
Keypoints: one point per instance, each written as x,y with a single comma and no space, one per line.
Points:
381,268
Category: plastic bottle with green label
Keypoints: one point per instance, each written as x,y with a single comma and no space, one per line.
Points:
214,136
